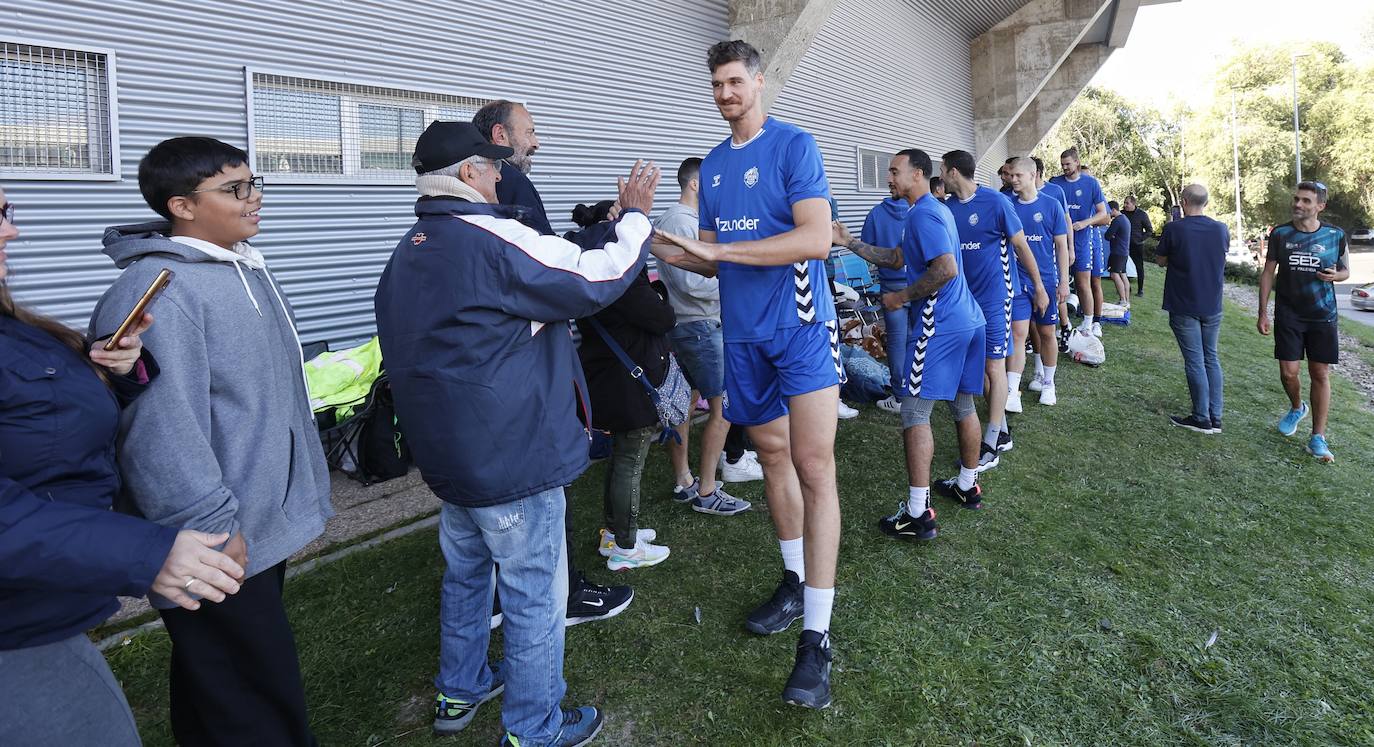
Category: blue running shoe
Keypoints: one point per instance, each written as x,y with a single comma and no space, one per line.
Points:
1288,424
1316,446
580,726
452,715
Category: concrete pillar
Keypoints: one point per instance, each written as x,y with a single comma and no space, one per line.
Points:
782,31
1043,112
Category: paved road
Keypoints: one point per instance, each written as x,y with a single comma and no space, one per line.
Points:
1361,272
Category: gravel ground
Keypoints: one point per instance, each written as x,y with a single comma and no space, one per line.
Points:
1352,366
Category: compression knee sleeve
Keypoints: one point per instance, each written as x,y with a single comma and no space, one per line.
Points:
916,411
962,406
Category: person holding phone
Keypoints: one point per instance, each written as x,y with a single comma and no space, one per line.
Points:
64,556
223,441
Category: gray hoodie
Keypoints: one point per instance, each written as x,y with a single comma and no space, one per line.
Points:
223,440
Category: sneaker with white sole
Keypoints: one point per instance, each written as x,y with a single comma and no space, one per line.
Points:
607,544
720,503
1037,384
1014,401
687,494
846,412
745,470
1097,330
644,555
452,715
1047,396
891,404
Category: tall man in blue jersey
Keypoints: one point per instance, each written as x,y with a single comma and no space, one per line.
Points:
988,231
765,230
944,358
1047,229
883,227
1057,192
1087,208
1308,255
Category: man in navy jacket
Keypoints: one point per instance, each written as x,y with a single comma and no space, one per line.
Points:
472,312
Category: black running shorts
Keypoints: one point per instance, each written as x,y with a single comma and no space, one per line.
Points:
1295,339
1117,263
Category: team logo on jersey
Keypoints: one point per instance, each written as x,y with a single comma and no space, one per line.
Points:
751,177
973,219
1039,218
715,180
1078,193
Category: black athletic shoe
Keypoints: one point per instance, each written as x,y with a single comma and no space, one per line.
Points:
903,525
1216,425
1004,441
809,685
1192,423
970,499
778,613
1064,333
988,457
589,602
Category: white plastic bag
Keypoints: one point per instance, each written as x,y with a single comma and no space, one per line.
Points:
1085,348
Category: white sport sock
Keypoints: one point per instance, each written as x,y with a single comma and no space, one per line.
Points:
990,434
816,608
1002,428
793,558
1088,322
1049,376
1013,381
967,477
917,500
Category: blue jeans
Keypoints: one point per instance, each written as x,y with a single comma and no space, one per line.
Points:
1197,341
895,324
700,350
526,538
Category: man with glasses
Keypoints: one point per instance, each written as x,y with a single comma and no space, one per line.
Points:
1306,257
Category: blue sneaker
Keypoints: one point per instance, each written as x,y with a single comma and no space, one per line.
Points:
1288,424
452,715
1316,446
720,503
580,726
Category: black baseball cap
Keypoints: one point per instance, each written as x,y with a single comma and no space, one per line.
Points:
446,143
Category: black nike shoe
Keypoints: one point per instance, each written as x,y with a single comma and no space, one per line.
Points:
970,499
779,612
1004,442
903,525
1064,333
589,602
809,685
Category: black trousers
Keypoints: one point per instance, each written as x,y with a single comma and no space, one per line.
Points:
736,442
1138,257
236,679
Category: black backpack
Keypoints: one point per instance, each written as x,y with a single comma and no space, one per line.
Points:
383,453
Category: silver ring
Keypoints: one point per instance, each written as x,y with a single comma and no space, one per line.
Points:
189,580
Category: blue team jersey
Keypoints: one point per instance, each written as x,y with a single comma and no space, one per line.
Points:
1055,191
930,232
1043,219
747,192
985,221
1082,196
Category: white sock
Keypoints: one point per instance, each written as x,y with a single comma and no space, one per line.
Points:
1039,367
1049,376
1013,381
793,558
990,434
816,608
1088,322
917,500
967,477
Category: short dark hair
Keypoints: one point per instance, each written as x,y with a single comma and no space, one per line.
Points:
936,183
961,161
1113,205
1316,188
1010,161
918,159
689,170
737,50
495,113
177,166
1039,166
1071,152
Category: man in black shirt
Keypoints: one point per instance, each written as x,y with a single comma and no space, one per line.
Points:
1140,230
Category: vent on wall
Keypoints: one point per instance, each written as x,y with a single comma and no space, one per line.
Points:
57,113
872,165
316,131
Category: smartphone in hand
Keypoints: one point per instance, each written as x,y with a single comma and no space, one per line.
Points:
158,285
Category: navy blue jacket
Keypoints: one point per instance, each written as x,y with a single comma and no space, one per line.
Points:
516,189
472,312
64,555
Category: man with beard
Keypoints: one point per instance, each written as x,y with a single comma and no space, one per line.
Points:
1087,209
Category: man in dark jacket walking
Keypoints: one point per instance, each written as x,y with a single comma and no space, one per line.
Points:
1140,230
472,312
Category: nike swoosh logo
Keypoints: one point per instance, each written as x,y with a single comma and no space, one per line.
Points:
597,603
901,527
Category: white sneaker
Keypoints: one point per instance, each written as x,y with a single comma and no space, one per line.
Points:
745,470
847,412
1036,383
1047,396
607,544
1097,330
891,404
642,556
1014,401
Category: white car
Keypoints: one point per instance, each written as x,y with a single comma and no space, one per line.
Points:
1362,236
1362,297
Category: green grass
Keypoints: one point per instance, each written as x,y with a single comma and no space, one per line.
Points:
1075,610
1362,333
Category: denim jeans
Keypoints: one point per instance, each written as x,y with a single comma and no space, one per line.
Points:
624,471
1197,341
526,538
895,325
700,350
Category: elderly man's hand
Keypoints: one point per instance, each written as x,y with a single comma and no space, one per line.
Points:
637,190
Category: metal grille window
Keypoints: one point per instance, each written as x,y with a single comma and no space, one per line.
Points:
57,113
872,165
308,130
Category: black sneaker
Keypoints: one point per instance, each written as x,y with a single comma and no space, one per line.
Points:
809,685
1216,425
778,613
1064,333
590,602
1004,441
903,525
1192,423
452,715
970,499
988,457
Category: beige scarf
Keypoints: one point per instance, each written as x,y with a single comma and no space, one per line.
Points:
434,185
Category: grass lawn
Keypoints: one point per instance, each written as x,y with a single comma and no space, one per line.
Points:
1079,608
1364,334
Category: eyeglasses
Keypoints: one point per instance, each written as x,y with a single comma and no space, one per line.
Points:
7,213
240,190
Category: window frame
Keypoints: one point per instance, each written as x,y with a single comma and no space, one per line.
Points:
115,173
880,186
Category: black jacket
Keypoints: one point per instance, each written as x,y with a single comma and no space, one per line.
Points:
640,321
1140,226
516,189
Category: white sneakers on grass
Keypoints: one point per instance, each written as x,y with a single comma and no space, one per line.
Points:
746,469
644,555
846,412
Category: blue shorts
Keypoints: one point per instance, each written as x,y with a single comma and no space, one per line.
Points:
997,334
1082,252
760,376
1051,315
1100,260
946,365
1021,307
701,353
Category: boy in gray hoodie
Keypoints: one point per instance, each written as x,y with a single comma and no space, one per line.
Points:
224,440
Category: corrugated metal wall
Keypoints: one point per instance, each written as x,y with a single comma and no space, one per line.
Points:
606,84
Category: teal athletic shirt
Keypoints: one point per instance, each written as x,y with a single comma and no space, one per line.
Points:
1298,293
